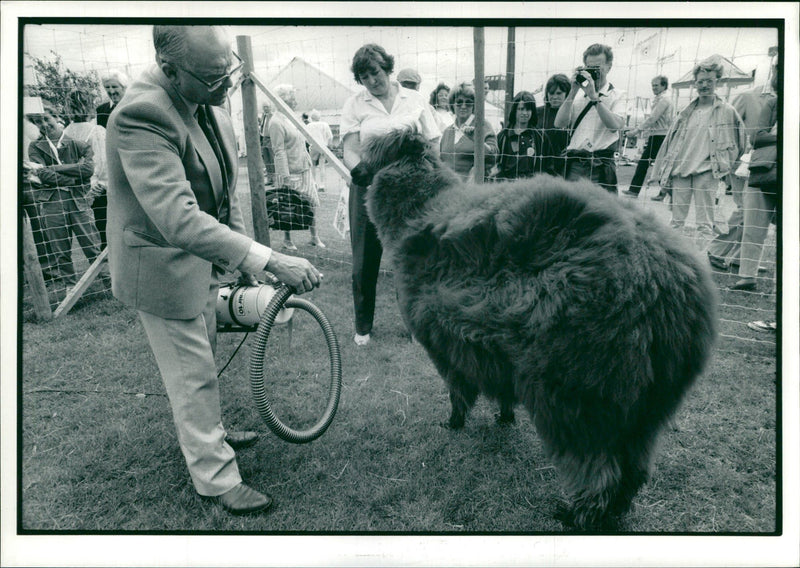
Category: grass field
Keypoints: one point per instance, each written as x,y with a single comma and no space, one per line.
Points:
99,450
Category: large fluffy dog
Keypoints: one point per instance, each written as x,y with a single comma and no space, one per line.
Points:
554,294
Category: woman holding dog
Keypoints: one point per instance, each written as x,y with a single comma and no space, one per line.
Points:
382,106
458,144
521,145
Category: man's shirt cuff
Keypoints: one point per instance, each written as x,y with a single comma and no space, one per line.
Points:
256,259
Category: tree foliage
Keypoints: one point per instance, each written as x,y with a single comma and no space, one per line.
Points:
54,82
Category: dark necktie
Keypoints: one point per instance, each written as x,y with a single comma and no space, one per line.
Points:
223,210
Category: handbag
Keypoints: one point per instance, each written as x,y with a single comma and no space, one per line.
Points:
763,170
288,210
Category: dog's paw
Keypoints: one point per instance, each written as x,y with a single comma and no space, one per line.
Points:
454,423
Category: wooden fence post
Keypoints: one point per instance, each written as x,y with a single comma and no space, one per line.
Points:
33,274
511,59
252,140
480,148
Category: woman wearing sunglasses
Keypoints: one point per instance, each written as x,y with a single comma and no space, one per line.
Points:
458,144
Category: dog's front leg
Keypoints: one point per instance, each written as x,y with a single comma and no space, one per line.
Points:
462,399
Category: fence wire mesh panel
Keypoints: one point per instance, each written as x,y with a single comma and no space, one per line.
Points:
71,70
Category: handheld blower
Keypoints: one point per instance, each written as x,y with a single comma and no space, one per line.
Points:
259,308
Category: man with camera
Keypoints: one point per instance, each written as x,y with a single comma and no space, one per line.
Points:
593,112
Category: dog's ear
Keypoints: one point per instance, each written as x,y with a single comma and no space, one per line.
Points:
412,145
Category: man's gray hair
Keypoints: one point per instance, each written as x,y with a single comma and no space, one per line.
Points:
283,90
170,42
115,75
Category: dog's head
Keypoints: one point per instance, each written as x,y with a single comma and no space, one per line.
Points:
403,144
407,174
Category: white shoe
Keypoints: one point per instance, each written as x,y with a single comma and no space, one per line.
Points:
763,325
361,340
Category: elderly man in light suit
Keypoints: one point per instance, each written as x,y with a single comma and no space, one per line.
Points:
174,225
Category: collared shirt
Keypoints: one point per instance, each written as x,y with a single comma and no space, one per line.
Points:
366,115
459,130
661,116
694,153
56,146
592,135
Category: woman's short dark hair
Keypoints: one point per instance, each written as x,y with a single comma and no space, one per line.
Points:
662,79
558,81
435,92
526,100
463,90
368,57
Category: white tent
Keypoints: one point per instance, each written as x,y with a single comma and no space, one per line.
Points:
315,88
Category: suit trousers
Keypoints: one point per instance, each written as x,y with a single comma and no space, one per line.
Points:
367,252
649,153
704,188
184,352
63,218
758,211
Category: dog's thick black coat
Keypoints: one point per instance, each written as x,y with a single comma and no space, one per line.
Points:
553,294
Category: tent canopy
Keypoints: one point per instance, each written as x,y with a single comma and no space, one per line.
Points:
731,74
314,88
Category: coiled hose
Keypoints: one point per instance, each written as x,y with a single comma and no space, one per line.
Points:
257,386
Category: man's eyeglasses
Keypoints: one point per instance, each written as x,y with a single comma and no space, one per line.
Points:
216,83
464,102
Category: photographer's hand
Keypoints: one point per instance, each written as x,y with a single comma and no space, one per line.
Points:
574,86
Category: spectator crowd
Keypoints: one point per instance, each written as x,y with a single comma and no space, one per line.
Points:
574,131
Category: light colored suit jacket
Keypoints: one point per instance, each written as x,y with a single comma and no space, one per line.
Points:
165,184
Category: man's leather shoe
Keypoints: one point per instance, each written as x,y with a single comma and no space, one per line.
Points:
242,500
717,262
659,197
241,440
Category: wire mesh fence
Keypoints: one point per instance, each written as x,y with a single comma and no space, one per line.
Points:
528,76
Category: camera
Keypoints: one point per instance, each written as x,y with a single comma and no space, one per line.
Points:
580,79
